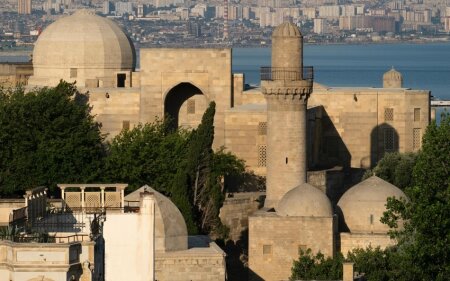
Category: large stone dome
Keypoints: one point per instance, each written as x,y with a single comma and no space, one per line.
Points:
363,205
305,200
80,47
286,29
170,227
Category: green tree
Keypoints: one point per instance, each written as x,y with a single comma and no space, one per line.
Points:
147,154
424,243
317,267
47,137
395,168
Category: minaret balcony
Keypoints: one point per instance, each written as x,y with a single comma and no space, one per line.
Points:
287,73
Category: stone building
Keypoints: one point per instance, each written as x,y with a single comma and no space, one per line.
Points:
287,126
180,82
97,234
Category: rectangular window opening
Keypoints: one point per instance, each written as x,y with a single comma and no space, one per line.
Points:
267,249
121,77
388,114
389,139
125,125
416,114
73,73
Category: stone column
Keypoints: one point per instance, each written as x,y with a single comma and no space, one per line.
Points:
102,195
347,271
82,197
286,89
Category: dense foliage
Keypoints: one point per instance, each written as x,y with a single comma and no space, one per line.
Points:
395,168
425,240
317,267
47,137
373,264
178,163
146,154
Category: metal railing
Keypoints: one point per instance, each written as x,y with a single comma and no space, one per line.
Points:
45,238
287,73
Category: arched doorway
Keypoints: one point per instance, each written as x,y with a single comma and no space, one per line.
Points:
184,105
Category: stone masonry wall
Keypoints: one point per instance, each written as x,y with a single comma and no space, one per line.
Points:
274,242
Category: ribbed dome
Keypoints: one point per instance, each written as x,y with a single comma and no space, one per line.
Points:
286,29
364,204
393,74
392,79
170,227
79,47
305,200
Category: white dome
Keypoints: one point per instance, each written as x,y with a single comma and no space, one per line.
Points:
79,47
170,227
363,205
305,200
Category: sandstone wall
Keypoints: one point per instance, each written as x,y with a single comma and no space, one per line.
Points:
191,265
235,211
274,242
350,241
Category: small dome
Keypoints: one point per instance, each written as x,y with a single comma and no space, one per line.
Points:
286,29
79,47
305,200
363,205
170,227
392,79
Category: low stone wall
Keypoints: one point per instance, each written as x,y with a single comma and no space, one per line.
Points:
236,209
45,261
350,241
195,264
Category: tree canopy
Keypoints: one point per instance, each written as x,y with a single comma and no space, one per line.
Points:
47,137
425,239
395,168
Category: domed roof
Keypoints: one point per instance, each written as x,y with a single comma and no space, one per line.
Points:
305,200
363,205
170,227
286,29
393,75
82,46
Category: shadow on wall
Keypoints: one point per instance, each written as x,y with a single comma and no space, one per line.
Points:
325,145
175,99
383,138
237,259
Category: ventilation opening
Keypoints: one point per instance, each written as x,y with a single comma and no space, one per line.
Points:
286,160
121,77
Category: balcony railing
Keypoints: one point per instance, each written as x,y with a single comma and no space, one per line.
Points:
287,73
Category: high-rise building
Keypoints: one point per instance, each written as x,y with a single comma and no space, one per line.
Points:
24,7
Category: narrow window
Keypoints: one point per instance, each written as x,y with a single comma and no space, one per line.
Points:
262,128
416,114
262,155
388,114
125,125
417,138
389,139
371,218
73,73
121,77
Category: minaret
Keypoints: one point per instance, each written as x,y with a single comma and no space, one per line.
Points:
286,86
